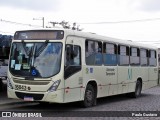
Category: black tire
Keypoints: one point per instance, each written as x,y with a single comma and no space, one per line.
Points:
138,90
89,97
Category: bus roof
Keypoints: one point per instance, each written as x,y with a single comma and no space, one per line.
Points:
94,36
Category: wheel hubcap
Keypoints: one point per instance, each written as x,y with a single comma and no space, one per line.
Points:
89,96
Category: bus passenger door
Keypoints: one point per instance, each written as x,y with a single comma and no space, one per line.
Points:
72,70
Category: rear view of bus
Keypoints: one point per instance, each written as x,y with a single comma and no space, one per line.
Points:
35,66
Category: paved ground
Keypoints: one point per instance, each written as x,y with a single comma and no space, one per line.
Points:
114,105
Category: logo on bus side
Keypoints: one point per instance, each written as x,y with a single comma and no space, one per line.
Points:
89,70
110,72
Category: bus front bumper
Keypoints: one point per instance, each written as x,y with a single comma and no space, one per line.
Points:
53,97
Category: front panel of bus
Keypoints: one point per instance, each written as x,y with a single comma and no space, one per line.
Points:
36,66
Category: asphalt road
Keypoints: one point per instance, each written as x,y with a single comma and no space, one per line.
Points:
113,107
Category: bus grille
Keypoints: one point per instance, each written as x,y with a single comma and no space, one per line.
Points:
31,82
35,96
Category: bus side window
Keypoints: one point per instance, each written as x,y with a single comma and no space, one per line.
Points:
134,56
90,52
123,55
93,52
72,60
98,53
144,54
72,55
152,58
109,54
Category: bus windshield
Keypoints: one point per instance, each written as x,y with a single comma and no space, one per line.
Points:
40,60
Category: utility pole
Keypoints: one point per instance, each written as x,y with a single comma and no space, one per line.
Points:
43,21
40,19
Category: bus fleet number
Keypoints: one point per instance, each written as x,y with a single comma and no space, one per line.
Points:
20,87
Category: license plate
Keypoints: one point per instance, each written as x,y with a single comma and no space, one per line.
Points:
26,98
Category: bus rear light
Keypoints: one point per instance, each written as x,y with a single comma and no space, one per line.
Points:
9,84
54,86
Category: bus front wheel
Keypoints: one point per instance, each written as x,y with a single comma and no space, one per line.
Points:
89,97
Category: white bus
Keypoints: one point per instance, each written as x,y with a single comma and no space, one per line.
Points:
61,66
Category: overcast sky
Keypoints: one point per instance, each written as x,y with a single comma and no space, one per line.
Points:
87,11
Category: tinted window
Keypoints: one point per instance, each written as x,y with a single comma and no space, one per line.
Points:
152,58
123,56
144,57
72,55
72,60
93,52
109,54
134,56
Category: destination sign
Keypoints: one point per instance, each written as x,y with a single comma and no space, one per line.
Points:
39,35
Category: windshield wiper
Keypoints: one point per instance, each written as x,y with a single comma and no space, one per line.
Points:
39,51
25,50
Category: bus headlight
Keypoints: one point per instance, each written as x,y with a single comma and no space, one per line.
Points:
9,84
54,86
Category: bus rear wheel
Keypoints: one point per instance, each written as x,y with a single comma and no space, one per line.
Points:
137,91
89,97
